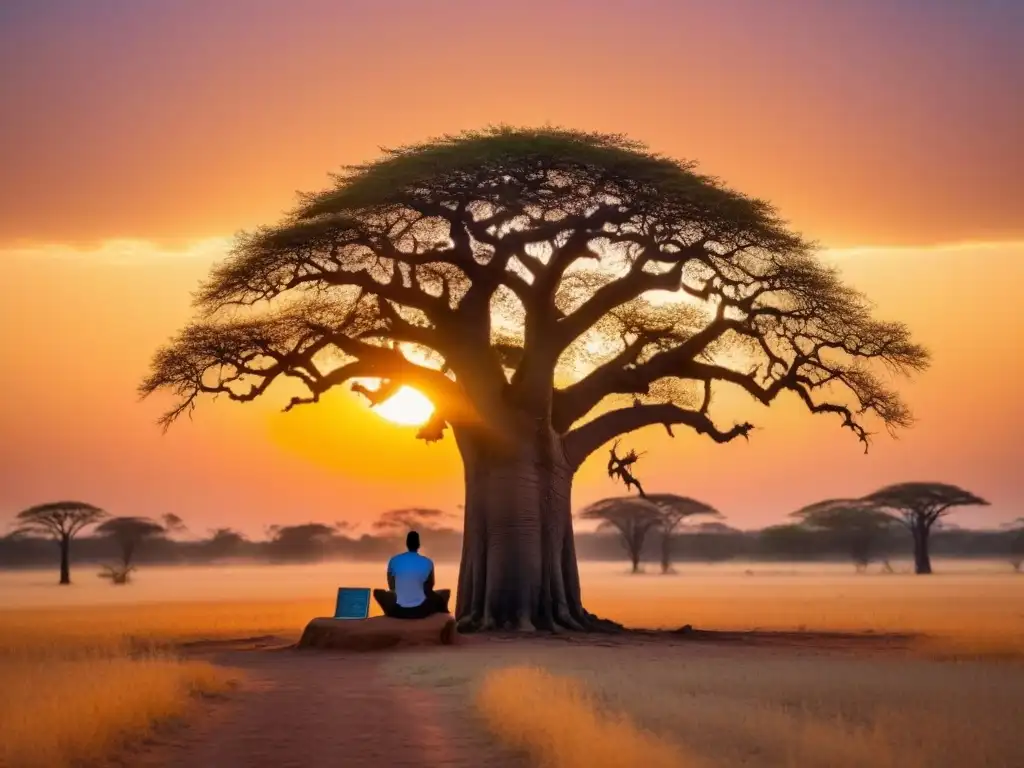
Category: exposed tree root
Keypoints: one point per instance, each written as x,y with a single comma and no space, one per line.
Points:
564,621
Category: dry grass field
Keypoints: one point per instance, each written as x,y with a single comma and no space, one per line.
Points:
86,668
68,707
556,720
713,707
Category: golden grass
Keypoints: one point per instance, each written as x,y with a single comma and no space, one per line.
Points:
94,655
79,684
89,629
730,706
554,720
81,681
55,712
952,615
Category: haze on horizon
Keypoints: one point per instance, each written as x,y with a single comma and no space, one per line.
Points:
138,137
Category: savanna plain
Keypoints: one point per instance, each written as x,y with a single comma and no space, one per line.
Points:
802,665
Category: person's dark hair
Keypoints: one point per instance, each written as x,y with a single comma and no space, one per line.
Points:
412,541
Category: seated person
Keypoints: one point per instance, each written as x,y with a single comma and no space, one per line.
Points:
410,593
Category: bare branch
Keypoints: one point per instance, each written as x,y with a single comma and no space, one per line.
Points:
584,440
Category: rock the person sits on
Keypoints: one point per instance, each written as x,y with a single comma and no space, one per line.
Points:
410,593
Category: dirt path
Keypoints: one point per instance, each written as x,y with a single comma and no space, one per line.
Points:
312,709
322,709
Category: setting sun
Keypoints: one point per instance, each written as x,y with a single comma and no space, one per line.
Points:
407,407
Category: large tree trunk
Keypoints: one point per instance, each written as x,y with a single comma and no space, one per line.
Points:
65,560
922,561
518,567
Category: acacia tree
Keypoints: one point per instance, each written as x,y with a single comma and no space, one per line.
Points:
127,533
674,510
516,278
630,517
919,506
61,520
855,525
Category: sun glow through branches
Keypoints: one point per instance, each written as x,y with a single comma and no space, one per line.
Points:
407,407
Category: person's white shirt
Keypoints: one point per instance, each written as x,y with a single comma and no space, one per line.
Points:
411,570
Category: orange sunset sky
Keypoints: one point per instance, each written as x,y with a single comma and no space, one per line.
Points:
136,138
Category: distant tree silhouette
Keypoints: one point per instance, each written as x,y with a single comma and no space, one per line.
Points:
789,540
674,511
224,542
858,527
630,517
1017,544
128,533
919,506
300,542
712,540
424,519
508,274
61,520
173,524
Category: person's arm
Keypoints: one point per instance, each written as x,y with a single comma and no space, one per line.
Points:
428,585
391,578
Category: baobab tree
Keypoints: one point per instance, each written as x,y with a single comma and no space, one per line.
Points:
674,511
549,291
919,506
857,526
630,517
61,520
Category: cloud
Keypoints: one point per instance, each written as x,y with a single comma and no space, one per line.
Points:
1000,246
125,251
134,251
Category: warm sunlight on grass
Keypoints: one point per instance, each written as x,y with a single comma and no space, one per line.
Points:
407,407
56,712
729,706
115,629
79,684
554,720
97,649
963,610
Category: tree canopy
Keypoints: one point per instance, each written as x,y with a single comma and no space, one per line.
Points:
129,533
537,271
922,504
59,519
856,525
843,514
674,510
631,518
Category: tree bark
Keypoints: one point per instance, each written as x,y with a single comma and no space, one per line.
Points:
922,561
65,559
518,568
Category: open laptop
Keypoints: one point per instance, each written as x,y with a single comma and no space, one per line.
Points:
353,603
